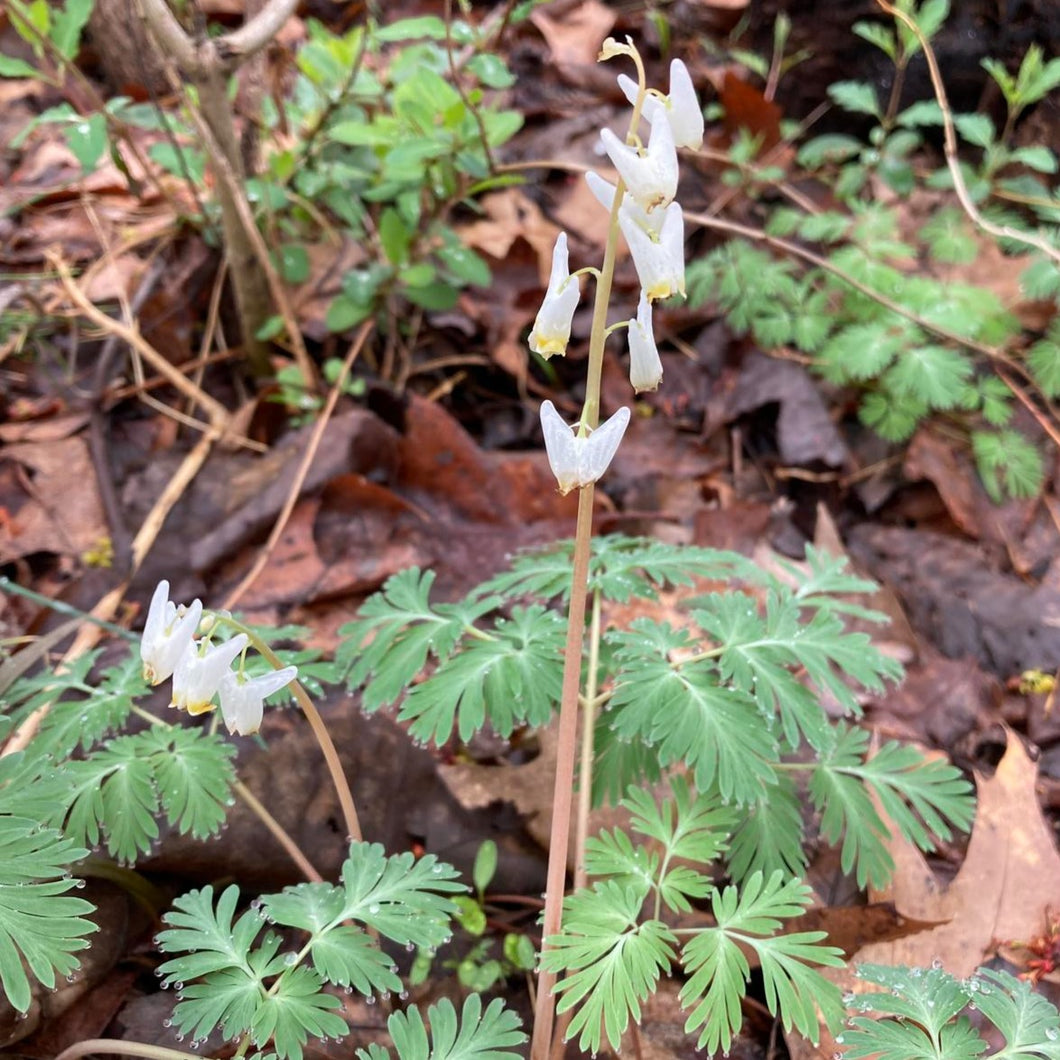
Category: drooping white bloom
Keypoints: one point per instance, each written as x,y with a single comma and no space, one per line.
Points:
199,671
243,698
659,260
680,108
551,331
168,632
645,365
652,176
604,191
577,461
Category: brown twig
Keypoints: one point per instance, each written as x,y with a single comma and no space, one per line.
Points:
265,553
953,161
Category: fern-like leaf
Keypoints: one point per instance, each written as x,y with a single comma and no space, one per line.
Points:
41,927
688,715
610,962
513,678
719,971
476,1034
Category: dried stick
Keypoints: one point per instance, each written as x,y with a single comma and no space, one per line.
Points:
264,554
950,148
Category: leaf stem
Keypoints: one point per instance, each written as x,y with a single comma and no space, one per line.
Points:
585,772
114,1046
320,731
256,807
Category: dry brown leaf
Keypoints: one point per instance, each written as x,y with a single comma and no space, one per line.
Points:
51,500
1010,876
575,34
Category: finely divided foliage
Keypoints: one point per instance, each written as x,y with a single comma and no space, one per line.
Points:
724,699
732,696
922,1014
248,982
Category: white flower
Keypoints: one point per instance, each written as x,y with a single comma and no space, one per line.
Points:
199,671
659,259
167,633
243,698
652,176
645,366
605,196
552,327
680,108
577,461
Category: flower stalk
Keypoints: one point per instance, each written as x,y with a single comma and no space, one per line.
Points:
652,223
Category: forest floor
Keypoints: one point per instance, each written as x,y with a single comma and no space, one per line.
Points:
434,459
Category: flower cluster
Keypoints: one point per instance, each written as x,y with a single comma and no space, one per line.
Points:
653,225
201,670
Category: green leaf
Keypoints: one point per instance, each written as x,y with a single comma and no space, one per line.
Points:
1043,359
924,799
295,1011
1029,1023
977,129
1008,464
687,714
609,962
180,161
395,236
345,313
892,416
67,25
491,70
87,139
620,568
477,1034
12,67
408,29
950,237
830,148
858,97
515,677
388,644
41,927
194,774
768,837
933,374
465,265
719,971
880,35
859,351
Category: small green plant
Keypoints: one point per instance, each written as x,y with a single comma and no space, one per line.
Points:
924,1014
871,306
709,729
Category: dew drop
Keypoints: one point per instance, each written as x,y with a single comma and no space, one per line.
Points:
936,963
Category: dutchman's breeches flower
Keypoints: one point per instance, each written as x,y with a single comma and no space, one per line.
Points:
198,675
680,108
243,698
168,633
651,177
576,460
645,365
551,331
659,260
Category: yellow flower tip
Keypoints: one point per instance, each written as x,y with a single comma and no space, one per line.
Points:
612,48
549,348
195,709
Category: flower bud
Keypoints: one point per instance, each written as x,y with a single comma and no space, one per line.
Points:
551,331
645,365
